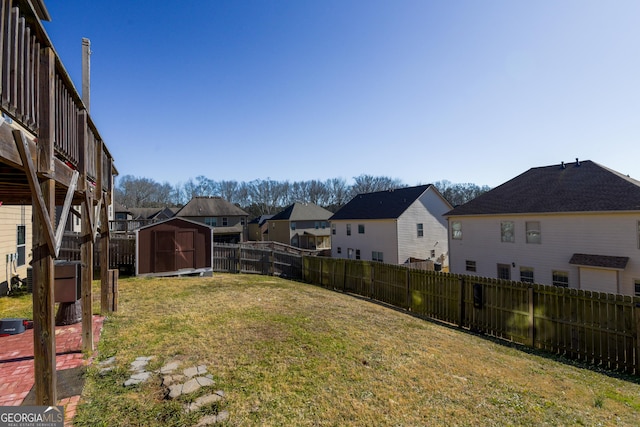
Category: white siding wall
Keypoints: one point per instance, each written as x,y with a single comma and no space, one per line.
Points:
379,235
561,237
428,210
10,218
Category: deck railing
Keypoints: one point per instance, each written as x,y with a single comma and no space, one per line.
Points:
24,95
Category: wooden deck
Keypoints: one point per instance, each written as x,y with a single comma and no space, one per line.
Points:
51,155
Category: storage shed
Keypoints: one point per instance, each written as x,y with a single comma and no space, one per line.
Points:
174,247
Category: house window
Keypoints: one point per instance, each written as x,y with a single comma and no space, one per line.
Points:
242,221
317,225
211,222
293,225
323,225
360,228
225,221
377,256
339,250
561,278
526,274
533,231
506,232
456,230
357,253
420,230
637,287
350,253
470,265
21,244
504,271
333,229
348,229
433,253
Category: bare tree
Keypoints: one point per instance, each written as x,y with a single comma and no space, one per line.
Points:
371,184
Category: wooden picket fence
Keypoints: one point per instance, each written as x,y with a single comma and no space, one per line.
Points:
596,328
246,259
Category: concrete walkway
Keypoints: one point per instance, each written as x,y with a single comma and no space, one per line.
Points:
17,370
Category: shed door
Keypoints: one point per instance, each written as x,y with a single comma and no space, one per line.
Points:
175,249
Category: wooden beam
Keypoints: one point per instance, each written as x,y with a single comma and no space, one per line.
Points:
86,261
44,337
40,205
106,282
65,211
94,228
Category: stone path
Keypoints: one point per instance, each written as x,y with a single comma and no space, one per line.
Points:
177,383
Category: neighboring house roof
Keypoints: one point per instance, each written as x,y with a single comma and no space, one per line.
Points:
616,262
388,204
302,212
151,213
260,219
210,206
175,219
583,186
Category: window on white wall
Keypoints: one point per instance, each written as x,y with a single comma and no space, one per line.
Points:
357,253
339,250
420,230
377,256
560,278
637,287
533,232
456,230
348,229
506,232
333,229
526,274
360,228
293,225
470,265
504,271
21,244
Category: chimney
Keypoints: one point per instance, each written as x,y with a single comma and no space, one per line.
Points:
577,162
86,73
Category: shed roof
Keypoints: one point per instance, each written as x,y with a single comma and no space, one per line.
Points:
302,212
388,204
582,186
210,206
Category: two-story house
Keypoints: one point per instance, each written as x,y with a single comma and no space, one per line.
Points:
395,226
229,222
303,225
574,225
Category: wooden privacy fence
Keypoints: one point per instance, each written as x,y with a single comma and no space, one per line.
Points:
122,252
242,259
593,327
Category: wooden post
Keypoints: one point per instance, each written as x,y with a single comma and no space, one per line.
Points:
532,329
105,306
86,260
461,307
44,337
86,73
636,315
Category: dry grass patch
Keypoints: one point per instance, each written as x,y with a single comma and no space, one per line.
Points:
287,353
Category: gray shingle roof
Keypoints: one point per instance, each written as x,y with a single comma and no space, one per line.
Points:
210,206
387,204
617,262
302,212
583,186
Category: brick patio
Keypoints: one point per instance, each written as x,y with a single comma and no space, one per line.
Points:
16,363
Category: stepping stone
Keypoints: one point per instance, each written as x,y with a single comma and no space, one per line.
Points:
168,380
175,391
198,370
213,419
108,361
202,401
139,364
169,367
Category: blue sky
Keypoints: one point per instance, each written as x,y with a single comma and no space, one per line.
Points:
468,91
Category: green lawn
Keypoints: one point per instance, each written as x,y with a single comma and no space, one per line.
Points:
291,354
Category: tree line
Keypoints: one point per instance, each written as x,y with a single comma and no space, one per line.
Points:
267,196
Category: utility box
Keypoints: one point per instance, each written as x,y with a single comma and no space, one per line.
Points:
67,285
